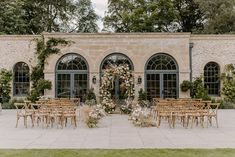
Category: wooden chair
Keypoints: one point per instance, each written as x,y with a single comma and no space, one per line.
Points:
163,112
55,116
69,112
212,113
23,111
41,115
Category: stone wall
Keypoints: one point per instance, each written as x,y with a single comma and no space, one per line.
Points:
14,49
138,47
216,48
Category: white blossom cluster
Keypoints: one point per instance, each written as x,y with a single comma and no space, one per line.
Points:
141,117
125,74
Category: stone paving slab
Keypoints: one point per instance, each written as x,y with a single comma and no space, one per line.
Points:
116,132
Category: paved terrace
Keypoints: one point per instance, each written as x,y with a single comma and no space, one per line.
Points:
116,132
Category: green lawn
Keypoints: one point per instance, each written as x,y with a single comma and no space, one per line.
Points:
121,153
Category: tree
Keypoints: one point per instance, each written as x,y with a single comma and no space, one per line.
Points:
139,15
37,16
11,21
219,16
46,15
189,16
84,18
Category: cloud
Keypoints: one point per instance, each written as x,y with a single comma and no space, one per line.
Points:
100,7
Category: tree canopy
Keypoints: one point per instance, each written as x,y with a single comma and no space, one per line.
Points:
196,16
37,16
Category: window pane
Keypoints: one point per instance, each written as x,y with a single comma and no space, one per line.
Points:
21,79
211,78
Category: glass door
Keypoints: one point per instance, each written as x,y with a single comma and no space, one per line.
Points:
80,86
63,85
153,86
72,86
169,86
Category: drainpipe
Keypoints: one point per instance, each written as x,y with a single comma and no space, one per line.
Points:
190,64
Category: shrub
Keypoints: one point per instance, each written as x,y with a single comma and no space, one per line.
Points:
198,90
142,95
185,86
90,94
228,79
10,104
5,85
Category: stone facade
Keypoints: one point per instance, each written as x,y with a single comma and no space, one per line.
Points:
139,47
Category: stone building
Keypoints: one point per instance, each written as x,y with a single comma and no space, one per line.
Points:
160,61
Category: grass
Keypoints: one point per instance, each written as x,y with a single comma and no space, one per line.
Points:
120,153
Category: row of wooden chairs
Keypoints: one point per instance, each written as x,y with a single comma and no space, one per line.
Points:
53,112
196,111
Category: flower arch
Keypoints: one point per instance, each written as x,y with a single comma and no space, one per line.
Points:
125,74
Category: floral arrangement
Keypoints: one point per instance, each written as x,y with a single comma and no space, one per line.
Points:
92,115
125,74
141,117
126,108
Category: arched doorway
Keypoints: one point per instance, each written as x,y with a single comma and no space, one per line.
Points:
116,59
161,74
71,77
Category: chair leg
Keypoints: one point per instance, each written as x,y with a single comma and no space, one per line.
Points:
17,119
216,121
25,120
32,120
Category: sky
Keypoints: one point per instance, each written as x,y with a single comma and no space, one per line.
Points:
100,7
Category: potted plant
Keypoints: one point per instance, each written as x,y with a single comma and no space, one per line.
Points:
185,86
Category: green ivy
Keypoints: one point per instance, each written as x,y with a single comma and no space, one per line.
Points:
5,85
43,50
228,79
198,89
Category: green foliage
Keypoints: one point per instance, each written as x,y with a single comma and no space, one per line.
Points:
10,104
11,17
5,85
43,51
198,90
139,16
90,94
34,95
189,16
142,95
43,85
228,79
185,86
83,19
37,16
219,15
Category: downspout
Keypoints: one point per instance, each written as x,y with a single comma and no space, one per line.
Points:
191,64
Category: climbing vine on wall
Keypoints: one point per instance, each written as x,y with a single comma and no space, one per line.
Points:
5,84
228,79
43,50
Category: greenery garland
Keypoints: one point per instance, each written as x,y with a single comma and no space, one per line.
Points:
125,74
43,50
228,79
5,85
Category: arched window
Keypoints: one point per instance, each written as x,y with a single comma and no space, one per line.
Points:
116,59
161,74
72,77
21,82
211,78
